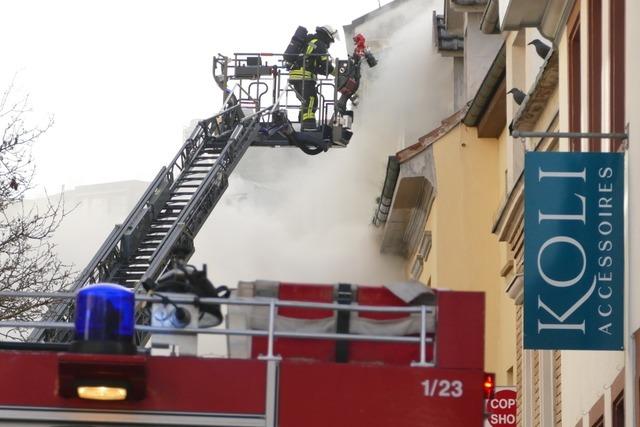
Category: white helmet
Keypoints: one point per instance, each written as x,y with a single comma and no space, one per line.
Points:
330,31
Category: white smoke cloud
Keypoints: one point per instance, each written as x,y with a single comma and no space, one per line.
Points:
292,217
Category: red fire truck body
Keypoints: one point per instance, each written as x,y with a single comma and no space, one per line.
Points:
378,384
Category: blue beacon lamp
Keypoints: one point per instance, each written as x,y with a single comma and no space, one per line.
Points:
104,320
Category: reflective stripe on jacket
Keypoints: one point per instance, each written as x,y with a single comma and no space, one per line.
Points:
312,64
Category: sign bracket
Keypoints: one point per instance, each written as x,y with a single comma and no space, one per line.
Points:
522,134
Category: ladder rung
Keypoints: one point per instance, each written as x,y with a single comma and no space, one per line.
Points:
139,264
134,270
130,277
170,215
147,245
188,179
155,236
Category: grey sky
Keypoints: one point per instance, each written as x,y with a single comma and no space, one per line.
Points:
123,78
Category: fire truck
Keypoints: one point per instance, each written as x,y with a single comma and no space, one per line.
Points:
297,354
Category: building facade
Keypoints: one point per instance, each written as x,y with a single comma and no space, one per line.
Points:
581,82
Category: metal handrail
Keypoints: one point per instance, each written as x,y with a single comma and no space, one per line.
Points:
240,59
233,332
189,299
270,333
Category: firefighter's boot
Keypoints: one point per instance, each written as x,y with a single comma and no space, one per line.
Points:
309,124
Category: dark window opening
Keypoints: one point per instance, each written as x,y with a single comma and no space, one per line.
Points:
595,72
574,84
617,46
618,411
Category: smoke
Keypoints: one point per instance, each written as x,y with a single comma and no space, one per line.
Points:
410,91
291,217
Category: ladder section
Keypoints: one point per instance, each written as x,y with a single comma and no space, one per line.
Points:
170,213
145,244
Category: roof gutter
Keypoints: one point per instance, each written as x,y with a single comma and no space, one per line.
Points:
473,6
537,99
388,189
489,23
487,88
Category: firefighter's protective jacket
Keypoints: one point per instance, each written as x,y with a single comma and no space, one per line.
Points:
316,61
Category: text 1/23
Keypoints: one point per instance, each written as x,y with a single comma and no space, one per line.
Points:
443,388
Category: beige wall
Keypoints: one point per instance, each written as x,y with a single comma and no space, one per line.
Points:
507,310
633,117
464,254
586,375
633,156
516,77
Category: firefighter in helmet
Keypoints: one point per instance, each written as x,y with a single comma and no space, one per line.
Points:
302,77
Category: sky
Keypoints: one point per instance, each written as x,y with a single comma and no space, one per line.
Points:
122,79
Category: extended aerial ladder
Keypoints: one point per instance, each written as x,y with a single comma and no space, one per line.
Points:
259,109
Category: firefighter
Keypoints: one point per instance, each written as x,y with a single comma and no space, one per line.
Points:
302,77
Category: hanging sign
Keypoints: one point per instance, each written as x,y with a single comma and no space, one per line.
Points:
574,251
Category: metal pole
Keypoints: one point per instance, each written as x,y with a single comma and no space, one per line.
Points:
593,135
271,395
270,339
423,339
423,335
630,391
224,331
189,299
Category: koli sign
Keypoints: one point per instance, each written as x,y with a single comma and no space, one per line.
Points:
574,251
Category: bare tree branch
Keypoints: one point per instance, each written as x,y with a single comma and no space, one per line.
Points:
28,260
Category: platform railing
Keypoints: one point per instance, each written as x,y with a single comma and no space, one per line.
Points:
271,333
276,83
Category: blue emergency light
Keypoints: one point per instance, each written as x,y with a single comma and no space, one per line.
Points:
104,320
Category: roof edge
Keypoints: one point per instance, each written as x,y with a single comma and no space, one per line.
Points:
428,139
487,89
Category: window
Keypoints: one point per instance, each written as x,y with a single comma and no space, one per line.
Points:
616,47
593,112
595,72
617,416
574,79
416,269
425,246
